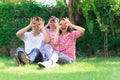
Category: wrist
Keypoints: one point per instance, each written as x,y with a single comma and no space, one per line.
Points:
70,24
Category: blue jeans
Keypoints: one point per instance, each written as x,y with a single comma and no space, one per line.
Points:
34,56
56,55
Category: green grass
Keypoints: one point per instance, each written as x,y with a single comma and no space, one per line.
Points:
83,69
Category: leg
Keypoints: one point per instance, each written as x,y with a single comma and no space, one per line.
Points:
20,52
51,62
64,59
17,59
35,56
48,51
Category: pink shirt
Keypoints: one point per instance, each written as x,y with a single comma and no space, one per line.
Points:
67,45
52,35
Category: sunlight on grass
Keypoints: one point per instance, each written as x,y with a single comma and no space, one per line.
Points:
84,69
2,66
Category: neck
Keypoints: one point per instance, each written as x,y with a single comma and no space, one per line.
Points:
35,33
64,33
52,29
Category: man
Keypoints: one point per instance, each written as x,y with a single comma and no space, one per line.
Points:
33,41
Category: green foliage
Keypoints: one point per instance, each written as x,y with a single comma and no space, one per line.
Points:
100,16
14,16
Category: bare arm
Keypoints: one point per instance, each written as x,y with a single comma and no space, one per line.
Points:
56,37
46,25
46,36
21,32
78,28
57,33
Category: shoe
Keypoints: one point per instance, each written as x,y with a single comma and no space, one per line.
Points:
45,64
16,60
24,58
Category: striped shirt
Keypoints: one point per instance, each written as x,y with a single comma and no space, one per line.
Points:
67,45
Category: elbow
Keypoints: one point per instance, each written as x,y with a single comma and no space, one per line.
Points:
82,32
17,34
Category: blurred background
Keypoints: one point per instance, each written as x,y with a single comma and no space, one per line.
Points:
100,18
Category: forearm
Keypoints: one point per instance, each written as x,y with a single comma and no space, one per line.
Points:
46,36
56,37
21,32
78,28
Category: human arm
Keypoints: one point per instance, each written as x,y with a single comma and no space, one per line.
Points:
44,27
21,32
46,36
80,29
43,30
57,33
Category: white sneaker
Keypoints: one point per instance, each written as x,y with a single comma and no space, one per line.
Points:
47,65
44,64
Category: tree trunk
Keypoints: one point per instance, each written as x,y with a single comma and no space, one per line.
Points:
65,2
70,6
106,44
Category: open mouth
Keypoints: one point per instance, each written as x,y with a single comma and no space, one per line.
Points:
63,28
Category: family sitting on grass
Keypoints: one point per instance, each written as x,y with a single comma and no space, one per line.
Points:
49,45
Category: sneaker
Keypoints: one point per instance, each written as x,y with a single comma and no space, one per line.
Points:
24,58
16,60
45,64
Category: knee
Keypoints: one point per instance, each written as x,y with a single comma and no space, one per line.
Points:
47,46
19,49
36,50
62,60
70,62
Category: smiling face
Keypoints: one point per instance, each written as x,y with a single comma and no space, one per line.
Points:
63,26
37,23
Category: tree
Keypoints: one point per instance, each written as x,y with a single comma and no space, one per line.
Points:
101,10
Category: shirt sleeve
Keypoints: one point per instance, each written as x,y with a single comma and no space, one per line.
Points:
25,36
76,34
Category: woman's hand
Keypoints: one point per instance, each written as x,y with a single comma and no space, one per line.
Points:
67,22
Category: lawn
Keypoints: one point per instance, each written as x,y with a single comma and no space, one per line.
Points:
83,69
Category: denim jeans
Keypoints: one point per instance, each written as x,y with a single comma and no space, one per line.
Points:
56,56
34,56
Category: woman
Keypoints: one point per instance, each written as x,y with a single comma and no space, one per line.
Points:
66,40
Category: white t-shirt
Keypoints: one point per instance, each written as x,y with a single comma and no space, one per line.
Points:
32,42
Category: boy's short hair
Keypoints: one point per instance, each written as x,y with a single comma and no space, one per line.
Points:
38,19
